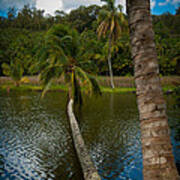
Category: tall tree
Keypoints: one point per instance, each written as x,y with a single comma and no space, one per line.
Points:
83,17
158,160
60,58
111,22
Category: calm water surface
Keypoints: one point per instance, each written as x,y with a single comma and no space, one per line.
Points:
35,141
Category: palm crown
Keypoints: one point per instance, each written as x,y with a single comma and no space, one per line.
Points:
111,20
59,57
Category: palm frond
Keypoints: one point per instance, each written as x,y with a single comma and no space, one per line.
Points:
88,81
112,25
106,27
85,81
46,88
101,28
49,73
95,85
66,38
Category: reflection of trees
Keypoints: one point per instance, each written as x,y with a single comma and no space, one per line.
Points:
112,133
36,140
1,164
173,112
174,121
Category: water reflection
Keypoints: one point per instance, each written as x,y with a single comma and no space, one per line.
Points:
112,134
174,121
35,141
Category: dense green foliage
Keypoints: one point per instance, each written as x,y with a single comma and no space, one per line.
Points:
59,57
22,36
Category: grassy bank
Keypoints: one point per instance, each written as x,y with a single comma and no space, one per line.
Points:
28,87
123,84
103,81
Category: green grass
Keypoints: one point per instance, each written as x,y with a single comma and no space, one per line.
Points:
117,90
29,87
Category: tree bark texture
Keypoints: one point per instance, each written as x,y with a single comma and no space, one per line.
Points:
158,160
89,171
109,62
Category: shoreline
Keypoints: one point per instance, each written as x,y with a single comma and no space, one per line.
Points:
122,84
23,87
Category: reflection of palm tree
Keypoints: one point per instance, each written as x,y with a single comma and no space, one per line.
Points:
61,59
111,23
158,160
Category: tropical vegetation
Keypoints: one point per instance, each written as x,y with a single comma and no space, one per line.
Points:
21,33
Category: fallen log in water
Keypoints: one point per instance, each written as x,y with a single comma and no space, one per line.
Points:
88,168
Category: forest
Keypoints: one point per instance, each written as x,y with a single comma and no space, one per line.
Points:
22,36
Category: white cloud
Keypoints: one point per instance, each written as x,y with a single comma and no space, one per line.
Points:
72,4
153,3
176,1
49,6
67,5
164,3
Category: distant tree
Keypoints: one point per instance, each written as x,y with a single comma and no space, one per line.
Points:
111,22
83,17
11,14
60,16
7,35
24,18
38,21
14,70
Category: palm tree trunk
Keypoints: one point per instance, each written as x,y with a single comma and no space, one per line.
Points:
158,160
109,62
89,171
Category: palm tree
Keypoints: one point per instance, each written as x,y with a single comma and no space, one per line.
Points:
111,22
14,70
158,160
59,57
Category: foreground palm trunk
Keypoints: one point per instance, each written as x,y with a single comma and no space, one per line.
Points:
89,171
158,160
109,62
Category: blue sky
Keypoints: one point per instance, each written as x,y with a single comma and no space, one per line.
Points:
157,6
162,6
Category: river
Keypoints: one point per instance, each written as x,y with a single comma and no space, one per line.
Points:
35,140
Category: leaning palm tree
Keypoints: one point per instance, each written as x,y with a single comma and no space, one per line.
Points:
59,57
158,160
111,23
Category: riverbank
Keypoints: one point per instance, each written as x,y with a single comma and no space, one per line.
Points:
103,81
123,84
23,87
